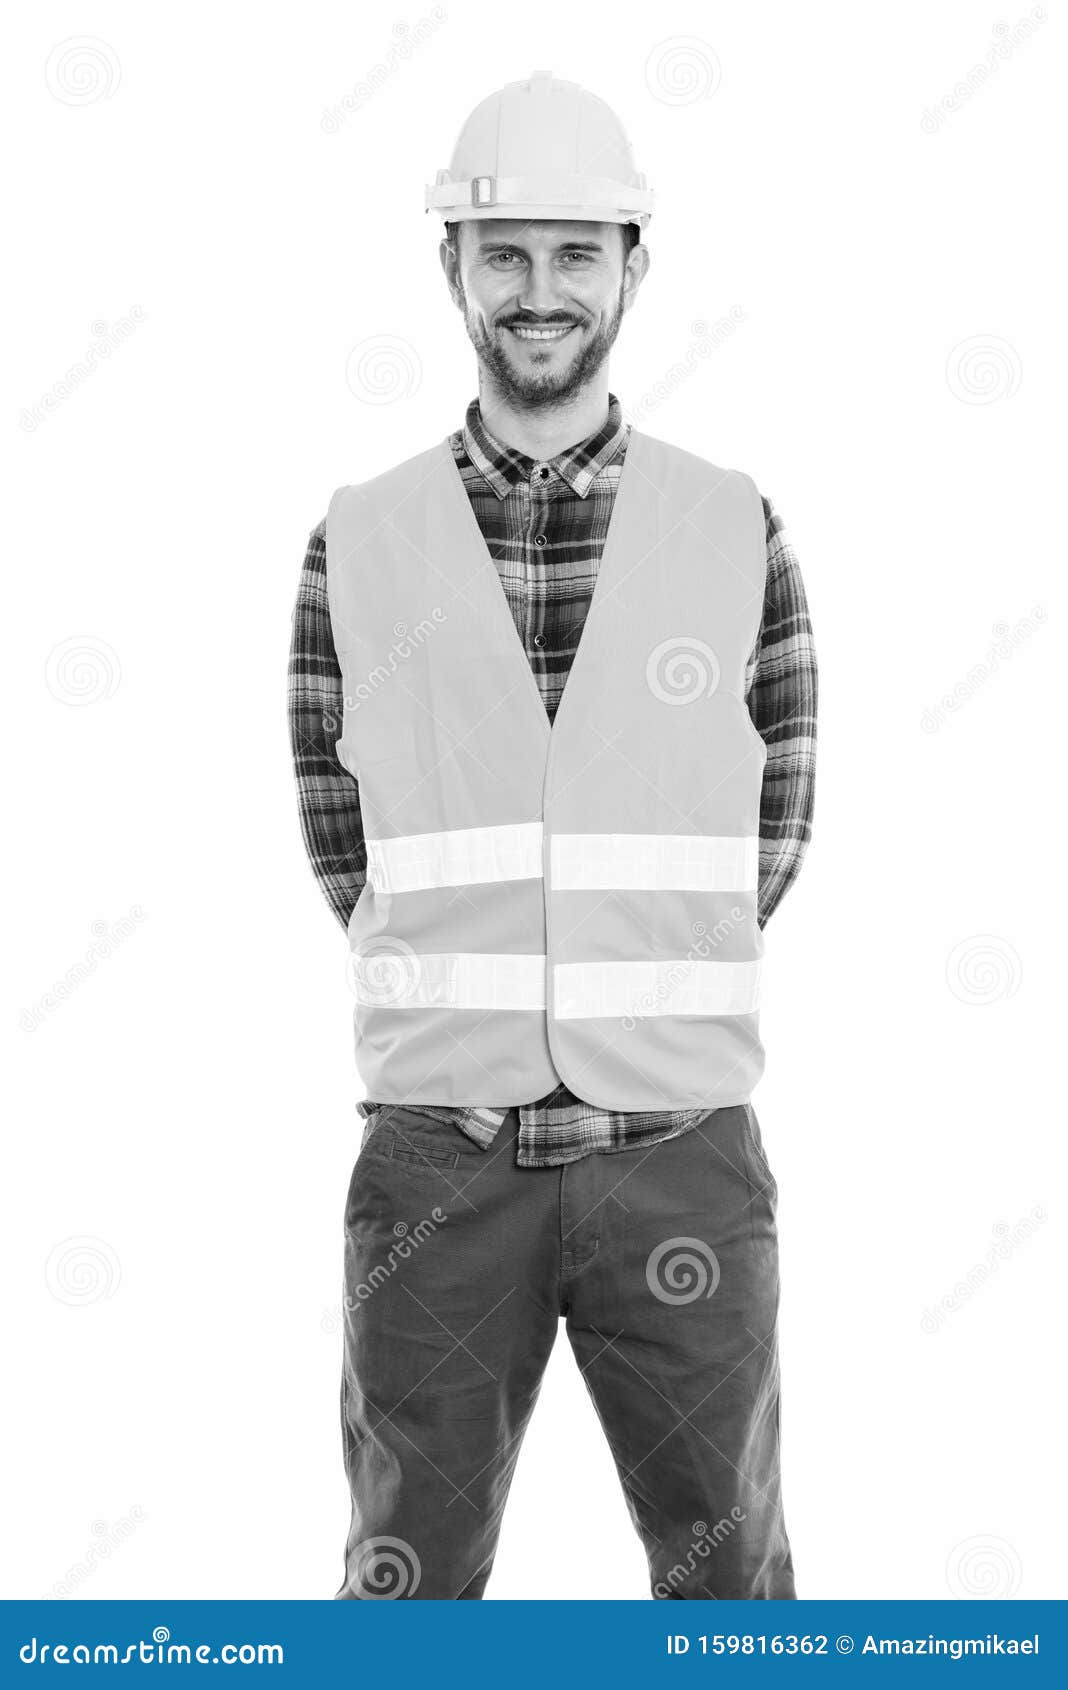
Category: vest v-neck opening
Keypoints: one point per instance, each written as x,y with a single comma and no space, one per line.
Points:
496,586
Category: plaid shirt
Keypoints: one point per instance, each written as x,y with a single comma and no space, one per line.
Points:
569,500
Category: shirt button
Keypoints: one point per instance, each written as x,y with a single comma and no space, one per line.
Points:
539,640
539,539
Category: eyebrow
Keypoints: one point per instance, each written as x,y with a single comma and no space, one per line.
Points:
562,246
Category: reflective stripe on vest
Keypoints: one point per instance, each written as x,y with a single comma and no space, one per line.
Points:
613,855
460,858
657,862
635,989
461,981
475,980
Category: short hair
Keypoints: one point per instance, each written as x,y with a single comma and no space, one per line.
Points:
632,234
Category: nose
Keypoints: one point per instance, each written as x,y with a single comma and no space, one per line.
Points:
540,293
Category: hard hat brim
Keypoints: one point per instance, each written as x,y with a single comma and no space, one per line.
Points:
540,214
550,196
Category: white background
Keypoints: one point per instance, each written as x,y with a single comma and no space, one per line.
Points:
182,1126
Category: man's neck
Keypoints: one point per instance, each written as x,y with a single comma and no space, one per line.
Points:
545,431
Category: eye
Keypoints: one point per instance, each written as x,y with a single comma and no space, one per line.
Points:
499,256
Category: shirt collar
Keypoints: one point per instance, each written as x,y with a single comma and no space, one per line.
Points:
503,468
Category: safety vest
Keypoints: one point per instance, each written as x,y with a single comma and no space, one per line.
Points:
575,902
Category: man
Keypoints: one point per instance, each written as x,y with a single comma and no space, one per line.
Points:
553,716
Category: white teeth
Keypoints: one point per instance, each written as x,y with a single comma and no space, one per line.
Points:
543,334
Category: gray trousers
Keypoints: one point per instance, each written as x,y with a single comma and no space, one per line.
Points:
459,1266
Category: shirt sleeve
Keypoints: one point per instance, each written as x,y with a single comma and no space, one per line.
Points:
782,695
327,795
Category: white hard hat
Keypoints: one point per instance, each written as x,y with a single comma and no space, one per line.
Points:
542,149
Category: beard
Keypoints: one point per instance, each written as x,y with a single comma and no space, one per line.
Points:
532,389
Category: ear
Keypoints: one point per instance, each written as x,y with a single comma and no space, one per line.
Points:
450,263
634,272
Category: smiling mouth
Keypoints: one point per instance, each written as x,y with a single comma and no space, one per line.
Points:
544,336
